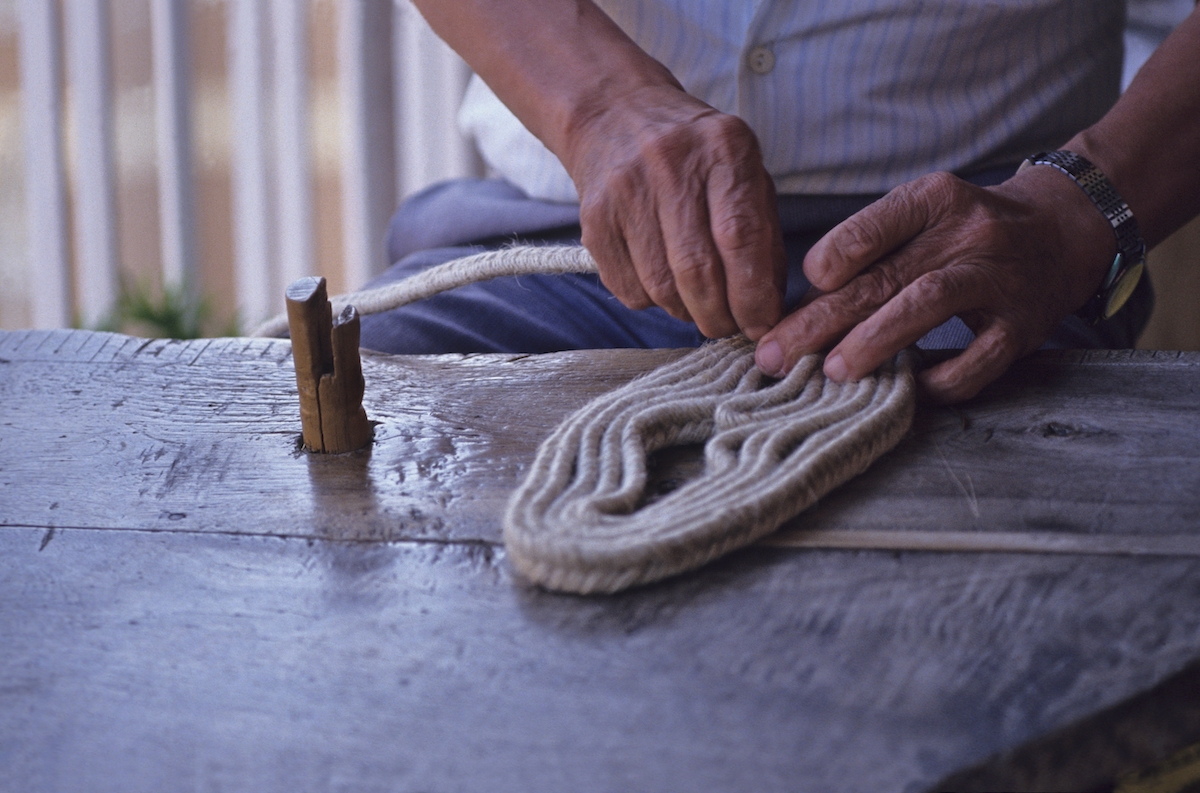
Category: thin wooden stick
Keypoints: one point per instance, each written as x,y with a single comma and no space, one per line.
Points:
344,424
988,541
328,370
309,319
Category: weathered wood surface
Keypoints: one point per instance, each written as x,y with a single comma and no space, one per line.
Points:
191,602
1073,443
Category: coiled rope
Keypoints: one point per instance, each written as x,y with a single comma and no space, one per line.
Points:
580,521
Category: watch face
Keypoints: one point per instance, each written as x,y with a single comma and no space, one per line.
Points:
1120,291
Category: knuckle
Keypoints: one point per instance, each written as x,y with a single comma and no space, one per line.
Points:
939,181
708,138
931,196
937,188
882,287
620,185
874,289
661,289
862,236
732,133
692,267
738,232
665,147
937,287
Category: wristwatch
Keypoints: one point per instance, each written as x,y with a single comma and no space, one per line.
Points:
1127,267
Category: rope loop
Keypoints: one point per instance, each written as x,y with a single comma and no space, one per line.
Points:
771,449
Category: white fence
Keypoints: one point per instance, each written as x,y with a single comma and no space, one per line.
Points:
394,99
378,124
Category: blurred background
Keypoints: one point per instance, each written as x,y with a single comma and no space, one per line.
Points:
193,157
167,167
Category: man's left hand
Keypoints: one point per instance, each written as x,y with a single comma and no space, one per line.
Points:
1011,261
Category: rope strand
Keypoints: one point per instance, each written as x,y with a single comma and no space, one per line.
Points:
521,260
772,449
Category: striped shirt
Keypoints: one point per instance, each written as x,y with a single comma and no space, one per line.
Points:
857,96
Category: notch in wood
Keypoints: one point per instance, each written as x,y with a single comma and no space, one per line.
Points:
328,370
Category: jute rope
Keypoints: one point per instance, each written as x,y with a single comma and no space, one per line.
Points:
581,521
772,448
523,260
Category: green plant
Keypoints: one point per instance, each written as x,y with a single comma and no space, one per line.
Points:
169,313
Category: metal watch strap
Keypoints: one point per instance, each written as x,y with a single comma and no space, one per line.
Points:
1131,248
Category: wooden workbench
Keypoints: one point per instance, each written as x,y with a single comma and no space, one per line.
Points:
192,602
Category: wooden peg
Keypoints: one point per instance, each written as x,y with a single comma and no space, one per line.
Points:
328,370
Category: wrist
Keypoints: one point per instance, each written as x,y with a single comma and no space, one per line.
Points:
1125,269
613,110
598,70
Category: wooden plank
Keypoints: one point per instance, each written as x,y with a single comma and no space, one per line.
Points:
254,269
193,601
95,250
1041,452
45,177
368,135
173,137
1120,742
166,422
139,660
1076,442
452,441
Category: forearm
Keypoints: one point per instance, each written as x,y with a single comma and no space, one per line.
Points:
676,205
1149,143
554,63
1011,261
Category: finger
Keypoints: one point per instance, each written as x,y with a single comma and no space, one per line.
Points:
827,319
655,261
966,374
914,311
745,228
619,267
875,231
696,274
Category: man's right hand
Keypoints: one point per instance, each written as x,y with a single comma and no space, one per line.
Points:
676,205
679,212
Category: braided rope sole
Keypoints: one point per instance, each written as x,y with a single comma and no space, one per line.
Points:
772,448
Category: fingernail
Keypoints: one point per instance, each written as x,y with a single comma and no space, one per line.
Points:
769,358
835,368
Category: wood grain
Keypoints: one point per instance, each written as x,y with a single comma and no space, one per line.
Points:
309,324
344,423
328,370
150,661
192,602
1066,443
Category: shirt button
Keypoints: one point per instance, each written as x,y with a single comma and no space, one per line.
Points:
761,60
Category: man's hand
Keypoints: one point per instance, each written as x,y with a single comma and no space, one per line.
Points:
1010,261
676,205
679,212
